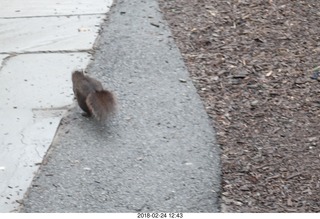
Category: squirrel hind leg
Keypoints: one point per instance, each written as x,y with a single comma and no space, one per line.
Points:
85,114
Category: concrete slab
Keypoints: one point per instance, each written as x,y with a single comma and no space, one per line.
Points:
25,138
35,90
39,81
15,8
74,33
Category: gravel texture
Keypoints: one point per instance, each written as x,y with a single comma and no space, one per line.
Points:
256,66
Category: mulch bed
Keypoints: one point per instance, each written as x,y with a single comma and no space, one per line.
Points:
256,66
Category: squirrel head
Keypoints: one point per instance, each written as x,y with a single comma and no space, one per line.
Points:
77,74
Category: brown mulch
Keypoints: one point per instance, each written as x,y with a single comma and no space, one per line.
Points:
255,65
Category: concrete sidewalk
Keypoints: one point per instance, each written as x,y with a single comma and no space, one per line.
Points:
158,154
40,43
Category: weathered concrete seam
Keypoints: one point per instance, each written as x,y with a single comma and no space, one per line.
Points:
62,15
11,54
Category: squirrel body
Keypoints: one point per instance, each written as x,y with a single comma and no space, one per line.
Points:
92,97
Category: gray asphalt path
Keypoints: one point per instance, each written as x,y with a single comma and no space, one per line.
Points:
157,154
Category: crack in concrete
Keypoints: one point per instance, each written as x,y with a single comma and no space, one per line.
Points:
36,149
66,107
12,54
6,59
22,139
60,15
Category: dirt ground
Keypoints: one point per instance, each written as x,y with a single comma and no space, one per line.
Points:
256,66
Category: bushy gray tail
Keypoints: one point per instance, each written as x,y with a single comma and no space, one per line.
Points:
101,103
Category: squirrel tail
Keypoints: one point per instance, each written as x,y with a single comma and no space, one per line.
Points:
101,104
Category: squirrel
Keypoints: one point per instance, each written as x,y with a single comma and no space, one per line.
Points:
92,97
